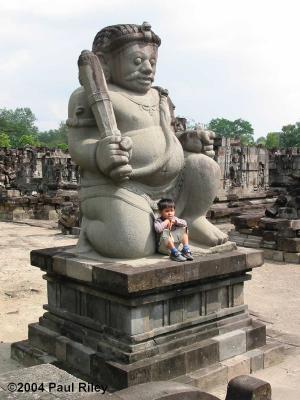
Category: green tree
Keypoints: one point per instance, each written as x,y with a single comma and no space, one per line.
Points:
273,140
222,127
237,129
62,146
54,137
28,140
4,140
16,123
261,141
290,135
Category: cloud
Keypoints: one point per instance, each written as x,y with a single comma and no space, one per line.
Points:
219,58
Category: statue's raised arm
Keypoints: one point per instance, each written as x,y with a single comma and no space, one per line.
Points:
129,154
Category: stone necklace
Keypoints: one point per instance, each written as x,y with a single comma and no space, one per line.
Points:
151,109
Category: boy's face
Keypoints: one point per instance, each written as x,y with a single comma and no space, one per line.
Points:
168,213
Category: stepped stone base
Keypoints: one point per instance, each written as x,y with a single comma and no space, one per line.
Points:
134,321
221,373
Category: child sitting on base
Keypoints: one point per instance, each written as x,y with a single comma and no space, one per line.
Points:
172,232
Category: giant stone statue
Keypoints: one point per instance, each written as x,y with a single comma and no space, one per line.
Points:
121,134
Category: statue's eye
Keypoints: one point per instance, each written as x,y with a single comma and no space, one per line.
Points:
138,61
153,61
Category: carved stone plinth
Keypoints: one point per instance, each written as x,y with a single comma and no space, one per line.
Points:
126,323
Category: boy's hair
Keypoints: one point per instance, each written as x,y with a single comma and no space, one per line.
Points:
165,203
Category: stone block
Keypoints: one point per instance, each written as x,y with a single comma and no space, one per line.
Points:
256,357
275,255
255,335
79,270
292,257
254,258
269,245
287,212
61,348
231,344
42,338
248,388
202,355
166,368
273,354
238,294
238,365
271,224
270,236
213,376
80,356
291,245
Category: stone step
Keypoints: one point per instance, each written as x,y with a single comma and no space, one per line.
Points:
222,372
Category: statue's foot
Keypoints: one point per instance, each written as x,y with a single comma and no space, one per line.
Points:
204,232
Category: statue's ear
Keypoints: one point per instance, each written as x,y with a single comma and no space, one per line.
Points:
103,58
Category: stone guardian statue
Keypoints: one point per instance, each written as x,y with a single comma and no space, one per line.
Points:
129,153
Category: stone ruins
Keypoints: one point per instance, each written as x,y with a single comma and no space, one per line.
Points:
277,230
38,183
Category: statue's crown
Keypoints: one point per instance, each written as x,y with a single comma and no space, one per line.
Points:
115,36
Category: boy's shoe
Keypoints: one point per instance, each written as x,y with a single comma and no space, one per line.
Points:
177,257
188,255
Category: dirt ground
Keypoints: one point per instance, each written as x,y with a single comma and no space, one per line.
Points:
273,296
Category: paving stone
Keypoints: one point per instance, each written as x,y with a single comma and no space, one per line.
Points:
231,344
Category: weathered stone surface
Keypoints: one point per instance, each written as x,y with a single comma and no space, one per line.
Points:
291,245
292,257
231,344
256,335
238,365
124,278
275,255
248,388
256,360
273,354
209,377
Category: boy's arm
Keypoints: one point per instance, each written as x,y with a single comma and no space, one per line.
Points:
180,222
160,225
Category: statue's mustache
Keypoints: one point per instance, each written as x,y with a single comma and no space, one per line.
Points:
136,75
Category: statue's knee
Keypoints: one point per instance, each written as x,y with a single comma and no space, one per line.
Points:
203,165
120,240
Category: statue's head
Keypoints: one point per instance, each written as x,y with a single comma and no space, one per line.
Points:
128,54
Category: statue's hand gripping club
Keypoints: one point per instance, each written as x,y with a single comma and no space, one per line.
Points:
113,151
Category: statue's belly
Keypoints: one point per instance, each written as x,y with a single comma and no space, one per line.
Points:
149,148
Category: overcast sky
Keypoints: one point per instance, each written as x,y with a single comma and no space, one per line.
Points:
218,58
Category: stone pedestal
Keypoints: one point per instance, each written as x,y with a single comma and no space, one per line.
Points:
125,323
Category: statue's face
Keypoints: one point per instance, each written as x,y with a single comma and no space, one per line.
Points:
133,67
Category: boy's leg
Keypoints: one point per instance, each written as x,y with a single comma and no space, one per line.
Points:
167,246
186,251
